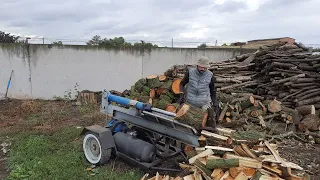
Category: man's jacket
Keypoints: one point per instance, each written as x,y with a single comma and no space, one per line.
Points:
201,89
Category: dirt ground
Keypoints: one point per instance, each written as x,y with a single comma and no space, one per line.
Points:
46,116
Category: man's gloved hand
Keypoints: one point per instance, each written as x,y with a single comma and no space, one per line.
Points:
181,98
206,107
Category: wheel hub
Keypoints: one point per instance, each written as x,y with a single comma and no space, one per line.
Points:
92,148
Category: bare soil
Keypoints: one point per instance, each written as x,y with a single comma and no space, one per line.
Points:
46,117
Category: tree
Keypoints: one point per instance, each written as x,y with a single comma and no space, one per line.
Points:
7,38
94,41
202,46
57,43
118,43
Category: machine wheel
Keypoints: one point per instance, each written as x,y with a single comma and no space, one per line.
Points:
92,149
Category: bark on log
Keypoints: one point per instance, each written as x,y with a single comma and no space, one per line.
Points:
288,79
222,163
247,102
191,115
310,122
296,117
305,80
307,109
307,91
309,101
314,94
302,85
245,84
153,81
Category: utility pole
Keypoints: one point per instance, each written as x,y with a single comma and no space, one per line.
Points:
42,40
172,42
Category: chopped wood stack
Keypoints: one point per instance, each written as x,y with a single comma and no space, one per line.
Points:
159,90
288,73
238,162
245,111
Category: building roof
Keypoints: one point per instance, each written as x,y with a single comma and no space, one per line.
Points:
270,39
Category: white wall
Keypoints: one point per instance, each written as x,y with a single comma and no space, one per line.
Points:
15,57
51,71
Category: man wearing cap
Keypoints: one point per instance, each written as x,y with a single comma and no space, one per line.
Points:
201,91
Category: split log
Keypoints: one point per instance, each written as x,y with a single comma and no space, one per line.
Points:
152,93
191,115
176,86
203,154
217,174
235,171
202,168
223,112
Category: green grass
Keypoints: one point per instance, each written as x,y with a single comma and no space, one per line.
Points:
59,156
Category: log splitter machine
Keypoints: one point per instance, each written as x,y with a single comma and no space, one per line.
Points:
138,133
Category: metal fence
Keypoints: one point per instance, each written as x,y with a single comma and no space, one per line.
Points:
161,43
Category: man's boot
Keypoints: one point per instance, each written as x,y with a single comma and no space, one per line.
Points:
211,122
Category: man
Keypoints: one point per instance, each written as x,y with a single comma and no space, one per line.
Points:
201,91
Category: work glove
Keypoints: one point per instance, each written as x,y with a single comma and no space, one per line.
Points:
181,98
206,107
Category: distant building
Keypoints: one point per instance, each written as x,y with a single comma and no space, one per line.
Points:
261,42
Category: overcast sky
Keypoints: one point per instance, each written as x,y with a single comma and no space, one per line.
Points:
183,20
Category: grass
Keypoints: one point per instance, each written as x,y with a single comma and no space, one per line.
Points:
46,142
59,156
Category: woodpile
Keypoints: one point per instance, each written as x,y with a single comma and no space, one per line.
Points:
260,161
277,89
263,97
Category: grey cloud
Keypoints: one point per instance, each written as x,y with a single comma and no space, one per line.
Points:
162,20
275,4
230,6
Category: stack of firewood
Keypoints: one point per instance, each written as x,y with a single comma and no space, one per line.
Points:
288,73
240,161
278,86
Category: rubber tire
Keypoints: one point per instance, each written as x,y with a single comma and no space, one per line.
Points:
104,155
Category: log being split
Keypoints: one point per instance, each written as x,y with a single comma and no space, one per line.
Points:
191,115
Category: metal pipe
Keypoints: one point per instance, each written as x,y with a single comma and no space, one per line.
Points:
124,101
163,112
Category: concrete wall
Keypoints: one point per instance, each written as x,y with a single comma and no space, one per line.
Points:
45,71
